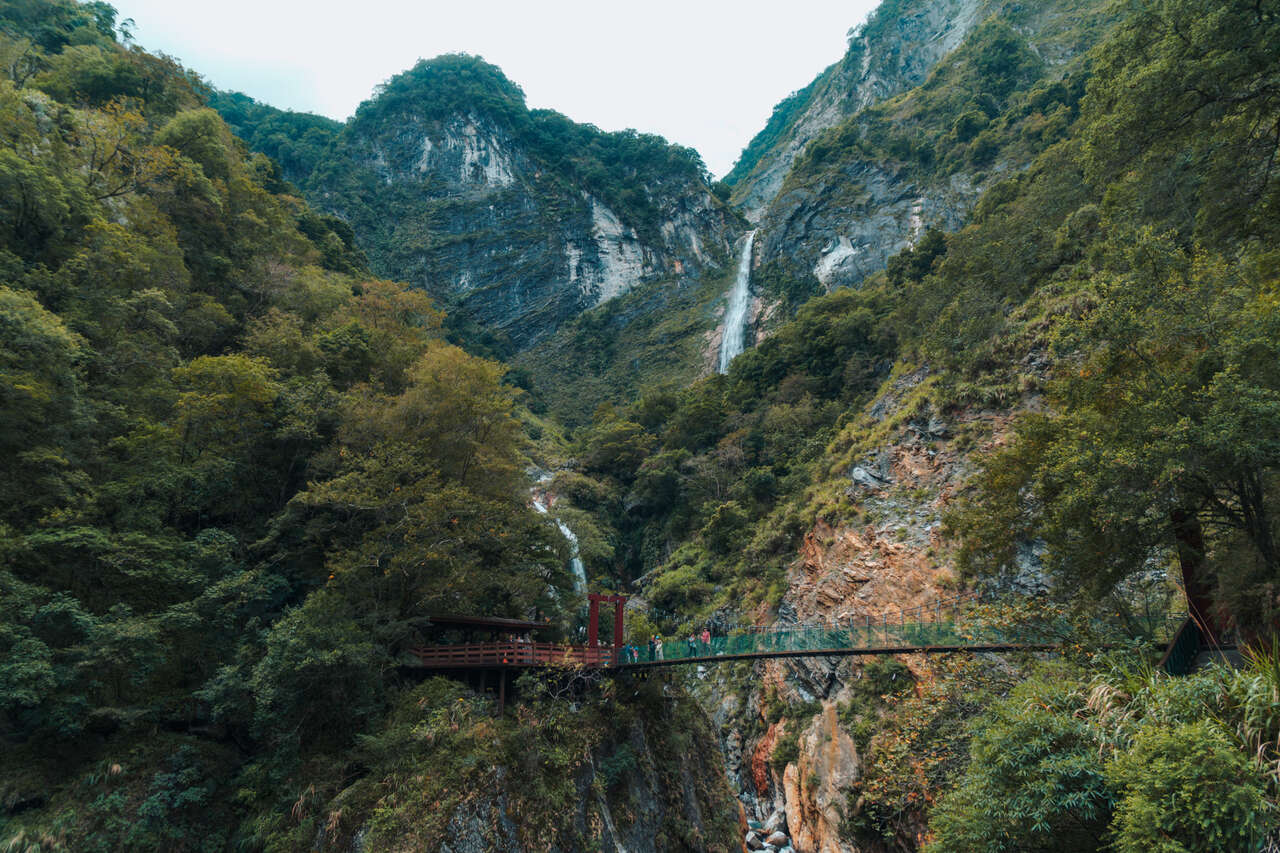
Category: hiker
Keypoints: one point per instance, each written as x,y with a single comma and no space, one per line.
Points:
693,646
706,638
653,646
635,654
658,646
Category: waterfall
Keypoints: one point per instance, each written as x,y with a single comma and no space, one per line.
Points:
735,316
575,562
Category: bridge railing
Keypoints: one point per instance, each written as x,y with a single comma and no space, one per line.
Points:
878,635
512,654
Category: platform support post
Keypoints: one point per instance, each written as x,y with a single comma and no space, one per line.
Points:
593,620
619,601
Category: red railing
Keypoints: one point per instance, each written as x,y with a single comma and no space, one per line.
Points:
513,654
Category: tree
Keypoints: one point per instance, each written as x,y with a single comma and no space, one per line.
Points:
1165,434
1035,780
1180,114
42,414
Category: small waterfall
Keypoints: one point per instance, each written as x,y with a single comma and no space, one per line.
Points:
575,562
735,316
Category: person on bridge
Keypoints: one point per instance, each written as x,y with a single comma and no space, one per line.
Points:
706,639
653,645
658,647
693,647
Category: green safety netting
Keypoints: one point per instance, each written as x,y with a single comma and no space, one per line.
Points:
891,635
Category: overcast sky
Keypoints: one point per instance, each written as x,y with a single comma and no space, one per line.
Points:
704,73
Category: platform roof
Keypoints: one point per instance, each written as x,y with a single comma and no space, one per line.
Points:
493,623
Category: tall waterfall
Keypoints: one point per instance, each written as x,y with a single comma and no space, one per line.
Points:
575,562
735,316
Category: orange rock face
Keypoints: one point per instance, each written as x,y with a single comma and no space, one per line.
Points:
760,759
817,786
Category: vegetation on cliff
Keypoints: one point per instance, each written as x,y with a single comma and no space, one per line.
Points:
236,469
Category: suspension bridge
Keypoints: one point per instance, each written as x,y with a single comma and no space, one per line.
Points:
940,627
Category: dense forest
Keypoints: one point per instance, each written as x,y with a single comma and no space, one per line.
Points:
239,471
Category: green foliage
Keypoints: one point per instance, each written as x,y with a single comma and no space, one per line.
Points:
1037,779
787,748
237,473
1122,758
1166,415
1188,788
296,141
682,482
1179,117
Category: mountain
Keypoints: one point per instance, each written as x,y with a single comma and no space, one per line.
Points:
1013,364
920,152
933,103
893,51
518,219
237,474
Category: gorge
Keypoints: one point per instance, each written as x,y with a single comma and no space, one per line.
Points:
985,318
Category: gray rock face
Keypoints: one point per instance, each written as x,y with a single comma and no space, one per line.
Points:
850,224
840,215
893,52
480,827
489,226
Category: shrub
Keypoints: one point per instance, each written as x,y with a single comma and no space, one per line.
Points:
1188,789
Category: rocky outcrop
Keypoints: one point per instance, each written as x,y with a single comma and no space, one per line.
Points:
817,786
848,224
838,214
518,219
892,52
492,228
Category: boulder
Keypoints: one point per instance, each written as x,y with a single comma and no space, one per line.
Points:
753,842
778,839
777,821
867,479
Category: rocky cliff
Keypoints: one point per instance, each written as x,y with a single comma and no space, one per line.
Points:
894,51
906,132
516,219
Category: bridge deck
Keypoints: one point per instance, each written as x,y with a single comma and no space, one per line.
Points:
645,663
911,638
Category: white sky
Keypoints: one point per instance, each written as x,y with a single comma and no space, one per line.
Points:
704,73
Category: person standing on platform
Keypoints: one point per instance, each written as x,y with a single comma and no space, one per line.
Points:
653,646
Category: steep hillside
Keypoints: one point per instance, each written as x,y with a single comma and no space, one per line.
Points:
893,51
518,220
873,184
237,474
1073,395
